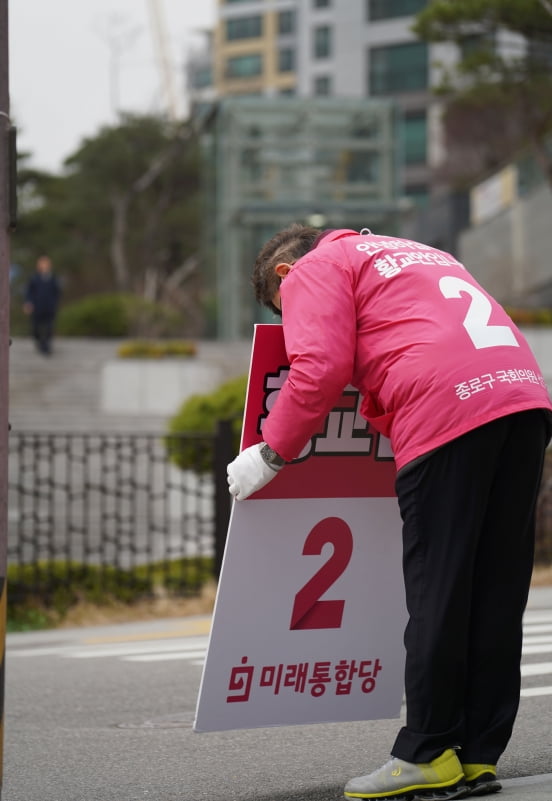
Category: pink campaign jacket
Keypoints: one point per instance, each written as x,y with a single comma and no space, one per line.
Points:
432,354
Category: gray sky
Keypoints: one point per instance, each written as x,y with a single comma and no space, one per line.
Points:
74,62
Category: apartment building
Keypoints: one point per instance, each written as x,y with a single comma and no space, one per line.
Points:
360,51
335,48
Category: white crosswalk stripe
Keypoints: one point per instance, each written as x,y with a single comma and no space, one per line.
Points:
537,640
545,648
536,669
531,692
538,628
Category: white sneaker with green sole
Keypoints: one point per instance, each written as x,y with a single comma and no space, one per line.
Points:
441,779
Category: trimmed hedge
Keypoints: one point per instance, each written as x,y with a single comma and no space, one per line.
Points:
117,315
150,349
200,415
41,594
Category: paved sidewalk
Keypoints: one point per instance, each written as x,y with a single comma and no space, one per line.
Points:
528,788
92,727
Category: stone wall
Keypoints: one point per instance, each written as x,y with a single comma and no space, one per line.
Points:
511,254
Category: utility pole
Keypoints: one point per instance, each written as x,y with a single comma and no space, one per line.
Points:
7,215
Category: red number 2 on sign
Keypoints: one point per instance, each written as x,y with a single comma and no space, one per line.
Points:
308,611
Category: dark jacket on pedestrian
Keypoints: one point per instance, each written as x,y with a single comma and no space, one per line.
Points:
43,293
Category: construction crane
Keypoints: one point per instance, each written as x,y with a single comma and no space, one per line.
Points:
157,16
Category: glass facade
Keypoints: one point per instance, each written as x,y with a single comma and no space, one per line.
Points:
418,194
398,68
244,28
386,9
280,159
322,41
246,66
201,77
286,22
415,137
286,59
322,86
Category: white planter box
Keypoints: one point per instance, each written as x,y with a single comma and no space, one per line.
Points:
143,386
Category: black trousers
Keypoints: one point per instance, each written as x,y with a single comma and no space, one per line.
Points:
42,331
468,515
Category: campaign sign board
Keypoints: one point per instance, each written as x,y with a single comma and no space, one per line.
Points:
310,612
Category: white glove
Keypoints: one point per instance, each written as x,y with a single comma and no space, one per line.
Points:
249,472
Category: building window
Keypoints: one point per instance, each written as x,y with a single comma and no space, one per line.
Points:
385,9
322,41
286,59
418,194
415,137
362,166
321,3
244,66
398,68
322,86
286,22
201,77
244,28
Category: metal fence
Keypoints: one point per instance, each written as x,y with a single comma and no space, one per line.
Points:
117,506
115,503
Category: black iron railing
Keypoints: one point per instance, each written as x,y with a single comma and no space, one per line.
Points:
116,503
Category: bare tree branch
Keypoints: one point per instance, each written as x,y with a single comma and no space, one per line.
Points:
182,273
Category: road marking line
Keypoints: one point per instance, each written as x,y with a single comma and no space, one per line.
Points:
143,648
37,651
536,669
528,650
537,616
163,657
189,628
533,640
537,628
529,692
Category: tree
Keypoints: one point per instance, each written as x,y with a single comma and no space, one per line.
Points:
498,98
143,175
123,216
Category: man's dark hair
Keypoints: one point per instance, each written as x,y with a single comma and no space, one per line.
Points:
287,246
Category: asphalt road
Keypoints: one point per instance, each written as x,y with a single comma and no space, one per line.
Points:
105,714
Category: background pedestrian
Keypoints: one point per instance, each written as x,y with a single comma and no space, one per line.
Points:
42,298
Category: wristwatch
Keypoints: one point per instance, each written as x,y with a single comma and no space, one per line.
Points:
271,458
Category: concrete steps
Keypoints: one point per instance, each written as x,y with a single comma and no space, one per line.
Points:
62,392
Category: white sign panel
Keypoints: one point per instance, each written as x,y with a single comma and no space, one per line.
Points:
310,612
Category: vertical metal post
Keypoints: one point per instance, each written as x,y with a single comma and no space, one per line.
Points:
223,453
6,222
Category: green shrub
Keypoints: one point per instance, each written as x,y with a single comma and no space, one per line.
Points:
150,349
529,316
94,316
200,415
40,595
117,315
